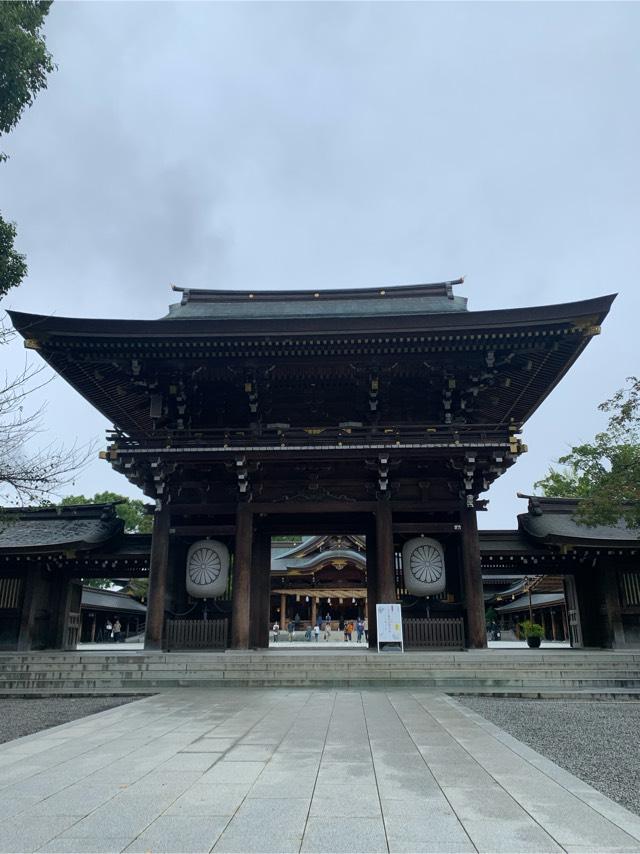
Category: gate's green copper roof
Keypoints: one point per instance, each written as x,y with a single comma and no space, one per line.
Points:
396,300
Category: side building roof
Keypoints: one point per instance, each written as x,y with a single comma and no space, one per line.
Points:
77,527
554,521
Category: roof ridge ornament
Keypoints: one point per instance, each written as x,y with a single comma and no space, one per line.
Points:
444,288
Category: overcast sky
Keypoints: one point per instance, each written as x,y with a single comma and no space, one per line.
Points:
336,145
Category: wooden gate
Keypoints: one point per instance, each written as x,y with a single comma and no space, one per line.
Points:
197,634
442,633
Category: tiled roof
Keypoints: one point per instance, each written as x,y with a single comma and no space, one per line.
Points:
394,300
53,529
93,597
554,520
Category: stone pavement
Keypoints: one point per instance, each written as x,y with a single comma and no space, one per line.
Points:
280,770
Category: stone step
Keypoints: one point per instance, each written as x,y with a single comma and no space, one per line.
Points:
224,680
527,673
395,668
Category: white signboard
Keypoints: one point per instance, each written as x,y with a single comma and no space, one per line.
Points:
389,620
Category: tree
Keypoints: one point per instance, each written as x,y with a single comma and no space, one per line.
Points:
605,472
136,521
131,510
25,63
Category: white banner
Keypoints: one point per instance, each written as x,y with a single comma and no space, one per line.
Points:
389,625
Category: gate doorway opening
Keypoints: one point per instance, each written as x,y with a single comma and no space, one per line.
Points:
318,590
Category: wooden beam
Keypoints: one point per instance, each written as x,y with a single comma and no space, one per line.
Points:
418,528
203,530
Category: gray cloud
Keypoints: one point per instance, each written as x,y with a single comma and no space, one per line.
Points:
325,145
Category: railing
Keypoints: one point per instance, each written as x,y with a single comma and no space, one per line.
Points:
443,633
196,634
269,435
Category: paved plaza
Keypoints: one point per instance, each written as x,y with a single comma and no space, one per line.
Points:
295,770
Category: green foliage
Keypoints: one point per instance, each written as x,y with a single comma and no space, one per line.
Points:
25,63
13,267
25,58
138,588
531,630
131,511
99,583
605,472
564,483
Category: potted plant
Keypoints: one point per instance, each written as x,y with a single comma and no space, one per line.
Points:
533,632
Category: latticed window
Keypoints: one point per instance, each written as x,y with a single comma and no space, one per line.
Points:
10,590
630,589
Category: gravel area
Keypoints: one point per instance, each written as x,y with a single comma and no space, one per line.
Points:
24,716
599,742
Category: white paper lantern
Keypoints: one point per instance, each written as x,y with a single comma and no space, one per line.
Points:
207,569
423,566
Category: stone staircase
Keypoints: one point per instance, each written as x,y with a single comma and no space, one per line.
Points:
531,673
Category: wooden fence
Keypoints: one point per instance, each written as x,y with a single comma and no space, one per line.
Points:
443,633
197,634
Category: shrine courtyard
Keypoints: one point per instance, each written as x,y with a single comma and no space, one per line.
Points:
302,770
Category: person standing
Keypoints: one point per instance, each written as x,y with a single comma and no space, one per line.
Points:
316,632
117,629
291,629
108,632
365,629
359,629
327,631
276,631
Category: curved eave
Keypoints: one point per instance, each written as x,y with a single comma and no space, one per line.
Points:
41,327
59,339
60,548
595,539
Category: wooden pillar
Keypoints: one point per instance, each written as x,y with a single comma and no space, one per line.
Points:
385,554
554,632
31,602
614,627
283,610
372,588
314,610
472,575
260,590
64,590
241,604
565,623
158,574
